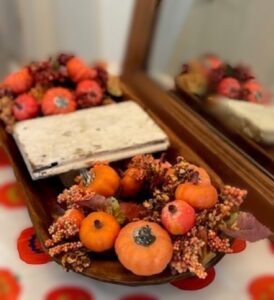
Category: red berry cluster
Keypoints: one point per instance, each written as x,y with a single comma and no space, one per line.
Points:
48,72
102,77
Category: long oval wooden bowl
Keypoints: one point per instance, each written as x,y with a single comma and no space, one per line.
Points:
41,200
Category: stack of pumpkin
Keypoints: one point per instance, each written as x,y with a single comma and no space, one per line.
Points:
151,213
57,85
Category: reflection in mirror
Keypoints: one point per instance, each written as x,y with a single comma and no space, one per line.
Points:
217,56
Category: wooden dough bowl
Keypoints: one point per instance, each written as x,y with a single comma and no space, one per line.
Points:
41,198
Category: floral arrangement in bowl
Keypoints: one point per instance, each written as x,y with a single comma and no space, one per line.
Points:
58,85
209,76
151,216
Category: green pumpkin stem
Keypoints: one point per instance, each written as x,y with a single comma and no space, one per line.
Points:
143,236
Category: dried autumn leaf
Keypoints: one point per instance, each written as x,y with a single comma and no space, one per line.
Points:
248,228
94,202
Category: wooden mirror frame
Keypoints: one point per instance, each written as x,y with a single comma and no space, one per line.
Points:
229,163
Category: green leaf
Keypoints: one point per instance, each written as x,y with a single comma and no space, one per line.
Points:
114,209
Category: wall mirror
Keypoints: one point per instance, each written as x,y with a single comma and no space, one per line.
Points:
217,57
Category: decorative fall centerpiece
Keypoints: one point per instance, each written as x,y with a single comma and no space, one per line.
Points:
58,85
150,215
208,76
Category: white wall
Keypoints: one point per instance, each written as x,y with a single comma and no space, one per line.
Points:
236,30
95,29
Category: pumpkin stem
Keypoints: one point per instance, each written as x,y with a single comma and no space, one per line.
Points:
86,176
143,236
18,105
98,224
60,101
172,209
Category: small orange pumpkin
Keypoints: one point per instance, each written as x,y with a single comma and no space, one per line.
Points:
203,175
132,182
19,82
75,215
58,100
98,231
144,248
105,181
197,195
78,70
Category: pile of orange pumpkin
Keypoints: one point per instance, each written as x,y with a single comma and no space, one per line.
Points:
144,247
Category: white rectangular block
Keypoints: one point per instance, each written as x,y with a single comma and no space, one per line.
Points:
57,144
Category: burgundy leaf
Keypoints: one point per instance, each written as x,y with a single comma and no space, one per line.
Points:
249,228
95,202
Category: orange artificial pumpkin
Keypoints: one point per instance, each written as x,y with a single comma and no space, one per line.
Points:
78,70
75,215
203,175
132,182
105,181
98,231
144,248
197,195
19,82
58,100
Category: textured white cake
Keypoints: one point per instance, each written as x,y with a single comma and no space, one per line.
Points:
60,143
